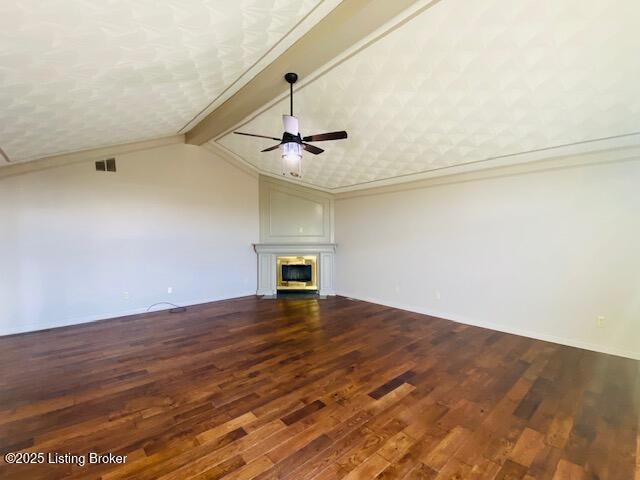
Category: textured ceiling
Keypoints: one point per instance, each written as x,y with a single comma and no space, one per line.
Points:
77,74
462,82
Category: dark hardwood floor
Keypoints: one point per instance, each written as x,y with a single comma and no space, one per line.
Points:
314,389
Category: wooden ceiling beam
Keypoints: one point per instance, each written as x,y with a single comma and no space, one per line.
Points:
350,22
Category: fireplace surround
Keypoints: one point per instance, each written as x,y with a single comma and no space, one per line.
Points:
300,260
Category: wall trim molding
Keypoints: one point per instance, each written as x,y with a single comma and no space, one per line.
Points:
18,168
35,327
269,186
498,327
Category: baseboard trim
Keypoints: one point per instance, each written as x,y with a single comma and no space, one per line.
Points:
35,327
499,327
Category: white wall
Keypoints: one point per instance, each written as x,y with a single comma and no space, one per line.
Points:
73,240
541,254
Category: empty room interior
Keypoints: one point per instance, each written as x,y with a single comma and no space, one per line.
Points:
320,239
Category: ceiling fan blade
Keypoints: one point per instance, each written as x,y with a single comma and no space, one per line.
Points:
254,135
320,137
312,149
270,148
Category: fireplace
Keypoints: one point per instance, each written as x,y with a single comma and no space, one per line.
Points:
296,273
301,261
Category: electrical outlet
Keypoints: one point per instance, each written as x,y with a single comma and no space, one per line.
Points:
397,288
169,289
438,296
600,321
125,295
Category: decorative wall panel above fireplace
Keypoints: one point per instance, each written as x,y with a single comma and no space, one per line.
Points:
294,214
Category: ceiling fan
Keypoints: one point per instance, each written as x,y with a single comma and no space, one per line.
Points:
292,143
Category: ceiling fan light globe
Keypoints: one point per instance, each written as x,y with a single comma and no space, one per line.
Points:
292,159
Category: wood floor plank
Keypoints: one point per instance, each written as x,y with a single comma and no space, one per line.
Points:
314,389
527,447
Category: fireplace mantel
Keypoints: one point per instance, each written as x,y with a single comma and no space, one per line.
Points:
298,247
268,253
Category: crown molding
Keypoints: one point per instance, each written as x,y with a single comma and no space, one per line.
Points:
622,154
569,156
232,159
87,155
532,159
239,162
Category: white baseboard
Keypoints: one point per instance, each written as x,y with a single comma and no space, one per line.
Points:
500,328
265,291
34,327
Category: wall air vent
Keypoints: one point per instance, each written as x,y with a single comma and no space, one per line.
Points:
108,165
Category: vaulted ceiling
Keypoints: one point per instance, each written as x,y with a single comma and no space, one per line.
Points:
447,84
463,82
78,74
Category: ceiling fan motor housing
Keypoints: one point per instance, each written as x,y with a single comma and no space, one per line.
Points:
292,143
288,137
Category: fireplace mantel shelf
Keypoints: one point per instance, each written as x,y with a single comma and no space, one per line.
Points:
294,247
268,253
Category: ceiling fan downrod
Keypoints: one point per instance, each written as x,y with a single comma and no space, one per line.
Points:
291,78
292,143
